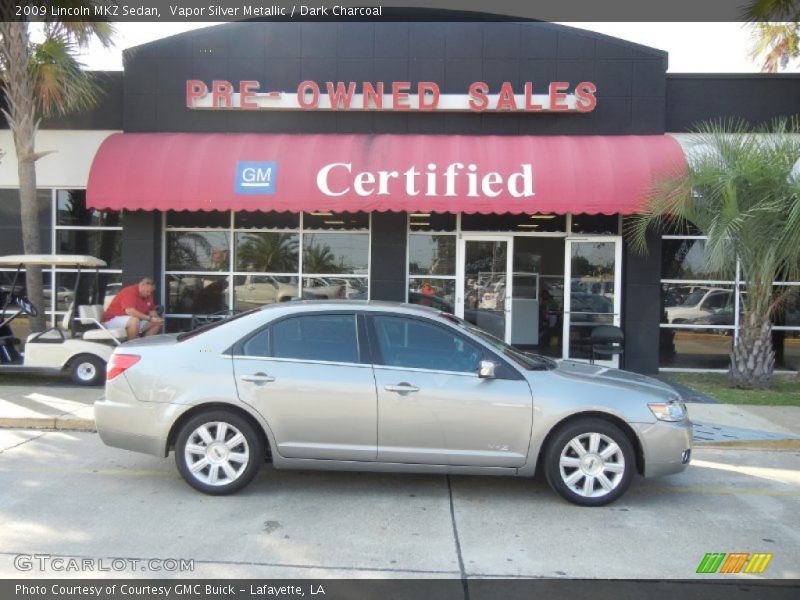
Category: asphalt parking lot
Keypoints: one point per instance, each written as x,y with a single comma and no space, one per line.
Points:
65,494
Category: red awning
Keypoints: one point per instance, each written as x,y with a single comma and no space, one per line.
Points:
415,173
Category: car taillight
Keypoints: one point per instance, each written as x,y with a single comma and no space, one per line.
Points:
119,362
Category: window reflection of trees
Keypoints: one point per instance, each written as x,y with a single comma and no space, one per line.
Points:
271,252
188,250
318,258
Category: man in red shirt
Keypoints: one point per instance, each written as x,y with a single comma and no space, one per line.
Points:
133,308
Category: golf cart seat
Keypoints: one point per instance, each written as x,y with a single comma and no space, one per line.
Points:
92,314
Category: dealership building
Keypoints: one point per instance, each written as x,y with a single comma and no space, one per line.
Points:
483,168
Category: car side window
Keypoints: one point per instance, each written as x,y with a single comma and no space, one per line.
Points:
717,300
316,337
257,345
414,344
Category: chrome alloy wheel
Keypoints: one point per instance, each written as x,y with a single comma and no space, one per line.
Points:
216,453
591,465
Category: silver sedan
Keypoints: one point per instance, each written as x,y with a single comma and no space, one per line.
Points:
377,386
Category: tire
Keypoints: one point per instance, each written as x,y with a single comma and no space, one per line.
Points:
589,479
87,369
211,467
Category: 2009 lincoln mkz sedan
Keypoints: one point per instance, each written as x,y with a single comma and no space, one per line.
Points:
386,387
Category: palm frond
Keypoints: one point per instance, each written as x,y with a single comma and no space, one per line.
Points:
772,10
741,190
61,85
81,32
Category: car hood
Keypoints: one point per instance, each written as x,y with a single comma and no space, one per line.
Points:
623,379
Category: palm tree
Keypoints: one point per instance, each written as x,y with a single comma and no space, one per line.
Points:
42,79
776,44
776,37
742,190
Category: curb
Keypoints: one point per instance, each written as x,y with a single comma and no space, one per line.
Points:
48,424
782,444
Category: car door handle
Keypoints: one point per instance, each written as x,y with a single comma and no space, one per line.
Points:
259,378
400,388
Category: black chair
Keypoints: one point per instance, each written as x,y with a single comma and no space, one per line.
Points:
606,340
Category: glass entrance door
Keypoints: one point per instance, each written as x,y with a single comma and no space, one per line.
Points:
483,291
592,274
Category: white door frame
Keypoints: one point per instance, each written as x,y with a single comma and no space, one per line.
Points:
461,275
617,240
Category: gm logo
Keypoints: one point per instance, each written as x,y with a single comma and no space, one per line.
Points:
256,177
734,562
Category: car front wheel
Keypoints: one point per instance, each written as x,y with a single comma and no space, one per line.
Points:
218,452
590,462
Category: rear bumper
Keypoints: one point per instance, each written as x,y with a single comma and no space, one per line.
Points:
667,446
137,426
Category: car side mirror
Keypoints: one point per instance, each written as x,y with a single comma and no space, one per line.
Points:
486,369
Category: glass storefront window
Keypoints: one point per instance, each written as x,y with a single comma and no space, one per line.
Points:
684,259
19,289
252,291
267,252
538,294
431,254
436,293
789,315
197,250
196,294
787,349
267,265
695,304
333,288
104,244
177,325
580,333
98,288
71,211
81,230
331,253
695,348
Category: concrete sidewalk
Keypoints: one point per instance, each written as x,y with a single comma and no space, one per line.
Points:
61,406
48,406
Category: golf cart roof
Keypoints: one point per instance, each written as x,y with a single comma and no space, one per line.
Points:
59,260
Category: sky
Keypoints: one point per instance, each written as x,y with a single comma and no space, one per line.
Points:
692,47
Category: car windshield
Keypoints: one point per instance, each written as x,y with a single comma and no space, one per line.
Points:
531,362
694,298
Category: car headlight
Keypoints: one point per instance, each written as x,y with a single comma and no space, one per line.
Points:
674,410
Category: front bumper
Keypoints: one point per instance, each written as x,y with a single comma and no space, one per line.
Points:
666,446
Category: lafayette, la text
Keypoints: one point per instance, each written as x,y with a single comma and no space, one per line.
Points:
183,590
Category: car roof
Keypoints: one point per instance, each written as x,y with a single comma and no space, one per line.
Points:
369,305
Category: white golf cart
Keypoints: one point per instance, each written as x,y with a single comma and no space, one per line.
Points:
80,345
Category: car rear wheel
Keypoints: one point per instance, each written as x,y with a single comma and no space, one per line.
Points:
87,369
218,452
590,462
